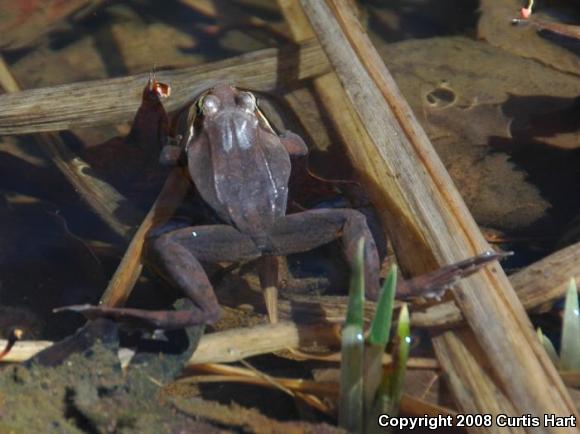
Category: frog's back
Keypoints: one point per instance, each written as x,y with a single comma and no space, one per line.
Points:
242,171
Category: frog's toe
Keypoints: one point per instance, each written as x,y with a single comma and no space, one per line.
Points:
73,308
88,310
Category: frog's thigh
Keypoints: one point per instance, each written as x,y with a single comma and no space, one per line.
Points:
212,243
305,231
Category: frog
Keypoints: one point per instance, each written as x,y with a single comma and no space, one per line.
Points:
241,168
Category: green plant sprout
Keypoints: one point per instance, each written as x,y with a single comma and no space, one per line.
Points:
366,389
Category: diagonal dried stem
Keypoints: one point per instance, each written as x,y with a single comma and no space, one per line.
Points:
129,270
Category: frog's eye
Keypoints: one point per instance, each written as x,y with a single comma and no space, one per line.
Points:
246,100
209,105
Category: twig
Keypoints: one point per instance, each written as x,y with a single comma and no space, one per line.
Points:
228,346
237,344
116,100
410,405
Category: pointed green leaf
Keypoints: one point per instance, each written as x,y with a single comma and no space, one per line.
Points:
393,387
549,347
381,324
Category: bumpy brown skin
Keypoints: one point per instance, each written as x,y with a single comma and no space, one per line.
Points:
241,169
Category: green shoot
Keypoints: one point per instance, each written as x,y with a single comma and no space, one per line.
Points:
570,343
350,414
547,344
395,382
376,343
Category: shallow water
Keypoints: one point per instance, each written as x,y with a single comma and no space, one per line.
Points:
503,121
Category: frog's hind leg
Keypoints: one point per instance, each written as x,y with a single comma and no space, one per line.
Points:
305,231
178,254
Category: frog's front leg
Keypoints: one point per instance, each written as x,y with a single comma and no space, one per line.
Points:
178,255
293,143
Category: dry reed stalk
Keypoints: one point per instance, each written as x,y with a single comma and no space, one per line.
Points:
228,346
103,199
23,350
236,344
116,100
430,226
130,267
219,347
460,359
547,279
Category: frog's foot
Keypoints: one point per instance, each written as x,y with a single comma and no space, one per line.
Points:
305,231
434,284
145,319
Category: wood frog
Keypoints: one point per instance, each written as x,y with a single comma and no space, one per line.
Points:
241,168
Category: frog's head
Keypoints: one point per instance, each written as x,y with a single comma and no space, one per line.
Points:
229,117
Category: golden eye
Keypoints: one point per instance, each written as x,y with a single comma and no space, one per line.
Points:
246,100
209,105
